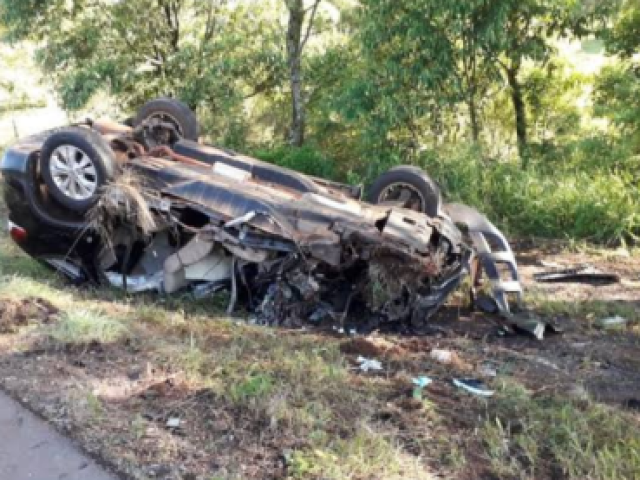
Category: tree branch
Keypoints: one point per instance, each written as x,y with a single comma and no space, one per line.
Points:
310,26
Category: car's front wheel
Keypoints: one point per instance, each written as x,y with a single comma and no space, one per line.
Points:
407,187
75,163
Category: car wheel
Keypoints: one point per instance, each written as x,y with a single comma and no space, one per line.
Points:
169,110
407,187
75,163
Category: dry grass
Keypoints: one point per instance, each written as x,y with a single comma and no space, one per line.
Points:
122,201
585,311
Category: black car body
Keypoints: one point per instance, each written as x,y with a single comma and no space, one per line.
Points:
293,248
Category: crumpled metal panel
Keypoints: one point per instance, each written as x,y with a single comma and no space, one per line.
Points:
486,237
412,229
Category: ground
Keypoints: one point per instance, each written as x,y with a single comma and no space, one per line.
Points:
172,388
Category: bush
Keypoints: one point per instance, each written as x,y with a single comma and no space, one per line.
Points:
305,159
596,204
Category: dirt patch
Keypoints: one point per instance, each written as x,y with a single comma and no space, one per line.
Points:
372,346
18,313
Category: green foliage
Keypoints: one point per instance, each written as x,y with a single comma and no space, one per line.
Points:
551,93
207,53
623,37
617,93
544,436
306,160
554,201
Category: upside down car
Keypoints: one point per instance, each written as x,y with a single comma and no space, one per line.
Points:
146,207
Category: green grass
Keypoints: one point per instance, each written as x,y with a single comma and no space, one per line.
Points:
538,436
368,454
84,327
586,311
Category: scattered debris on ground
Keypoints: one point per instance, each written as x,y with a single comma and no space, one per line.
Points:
581,274
473,386
184,396
611,322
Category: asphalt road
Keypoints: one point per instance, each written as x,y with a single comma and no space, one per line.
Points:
30,449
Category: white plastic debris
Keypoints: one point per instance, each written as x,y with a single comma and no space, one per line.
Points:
546,264
474,387
611,322
488,371
442,356
368,364
174,422
422,382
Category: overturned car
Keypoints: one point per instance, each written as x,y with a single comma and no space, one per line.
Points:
145,207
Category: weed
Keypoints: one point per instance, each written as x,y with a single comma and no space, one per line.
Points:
82,327
254,386
94,405
139,427
306,160
367,454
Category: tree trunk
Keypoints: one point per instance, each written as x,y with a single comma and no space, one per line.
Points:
473,115
519,108
294,60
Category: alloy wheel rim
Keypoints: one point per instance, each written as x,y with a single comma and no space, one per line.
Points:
73,172
165,118
410,196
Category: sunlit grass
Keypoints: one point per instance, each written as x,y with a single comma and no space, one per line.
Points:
530,437
586,311
84,327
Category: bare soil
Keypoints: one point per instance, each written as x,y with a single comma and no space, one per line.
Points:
121,400
18,313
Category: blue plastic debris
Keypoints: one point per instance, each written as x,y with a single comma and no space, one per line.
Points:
420,384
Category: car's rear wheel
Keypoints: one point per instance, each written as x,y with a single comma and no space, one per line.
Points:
407,187
169,111
75,163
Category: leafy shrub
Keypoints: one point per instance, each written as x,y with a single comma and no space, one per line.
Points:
593,204
305,159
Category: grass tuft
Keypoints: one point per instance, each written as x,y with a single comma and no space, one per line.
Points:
82,327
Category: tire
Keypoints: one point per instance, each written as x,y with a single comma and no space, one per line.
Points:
66,151
417,180
173,110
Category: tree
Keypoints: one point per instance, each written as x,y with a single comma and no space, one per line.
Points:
617,89
212,53
420,59
296,41
623,36
529,28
